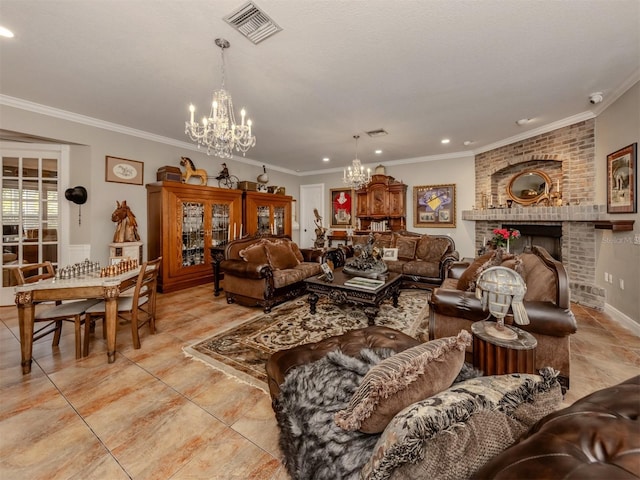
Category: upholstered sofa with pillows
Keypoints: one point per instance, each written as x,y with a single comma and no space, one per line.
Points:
398,408
267,270
423,260
454,305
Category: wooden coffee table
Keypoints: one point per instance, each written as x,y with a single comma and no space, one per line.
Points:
339,293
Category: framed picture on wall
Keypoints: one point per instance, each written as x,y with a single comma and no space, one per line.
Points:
342,207
121,170
434,206
622,172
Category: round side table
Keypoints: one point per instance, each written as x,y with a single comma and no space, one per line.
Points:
497,356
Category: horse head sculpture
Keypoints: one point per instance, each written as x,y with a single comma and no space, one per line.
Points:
127,228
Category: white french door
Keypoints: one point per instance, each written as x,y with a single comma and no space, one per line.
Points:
33,213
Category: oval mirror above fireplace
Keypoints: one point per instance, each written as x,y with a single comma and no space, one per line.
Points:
527,188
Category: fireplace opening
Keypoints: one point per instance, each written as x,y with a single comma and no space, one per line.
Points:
546,236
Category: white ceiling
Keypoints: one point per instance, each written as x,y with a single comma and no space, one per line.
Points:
421,69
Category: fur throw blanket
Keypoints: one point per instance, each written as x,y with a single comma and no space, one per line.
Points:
314,447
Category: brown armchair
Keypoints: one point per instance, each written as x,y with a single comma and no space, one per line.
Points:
454,305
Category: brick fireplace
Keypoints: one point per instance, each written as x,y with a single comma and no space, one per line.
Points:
566,155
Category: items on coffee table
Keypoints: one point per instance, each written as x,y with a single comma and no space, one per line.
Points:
364,292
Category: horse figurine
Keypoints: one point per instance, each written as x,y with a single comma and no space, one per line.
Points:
192,171
126,230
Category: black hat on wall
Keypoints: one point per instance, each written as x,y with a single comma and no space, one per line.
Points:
77,195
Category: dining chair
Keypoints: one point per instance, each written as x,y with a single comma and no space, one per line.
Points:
139,308
72,311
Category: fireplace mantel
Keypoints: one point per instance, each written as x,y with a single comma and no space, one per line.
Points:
573,213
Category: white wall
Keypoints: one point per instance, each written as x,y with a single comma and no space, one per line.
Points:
617,127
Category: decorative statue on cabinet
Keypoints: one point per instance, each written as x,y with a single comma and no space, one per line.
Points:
192,171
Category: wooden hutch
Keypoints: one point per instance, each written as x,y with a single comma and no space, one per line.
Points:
382,200
183,222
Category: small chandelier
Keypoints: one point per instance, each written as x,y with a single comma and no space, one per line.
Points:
355,175
220,132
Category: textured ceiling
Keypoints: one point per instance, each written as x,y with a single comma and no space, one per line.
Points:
422,70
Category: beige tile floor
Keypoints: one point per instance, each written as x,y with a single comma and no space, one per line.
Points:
156,414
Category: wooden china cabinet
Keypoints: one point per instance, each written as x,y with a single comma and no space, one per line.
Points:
384,198
183,222
266,213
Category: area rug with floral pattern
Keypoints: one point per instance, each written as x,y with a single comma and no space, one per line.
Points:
242,351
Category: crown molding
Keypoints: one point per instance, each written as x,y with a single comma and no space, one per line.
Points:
114,127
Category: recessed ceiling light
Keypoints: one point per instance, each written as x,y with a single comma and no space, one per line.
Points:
444,141
378,152
467,143
523,121
5,32
325,159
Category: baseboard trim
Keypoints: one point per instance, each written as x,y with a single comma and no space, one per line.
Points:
623,319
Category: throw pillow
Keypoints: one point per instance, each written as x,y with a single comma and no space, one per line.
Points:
455,432
470,274
254,253
541,281
402,380
499,258
297,252
431,249
406,247
280,255
383,240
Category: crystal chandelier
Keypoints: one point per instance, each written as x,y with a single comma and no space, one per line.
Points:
355,176
220,132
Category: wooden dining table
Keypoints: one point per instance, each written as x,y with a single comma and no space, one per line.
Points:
90,285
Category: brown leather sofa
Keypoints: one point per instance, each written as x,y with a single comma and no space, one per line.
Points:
423,260
454,305
266,270
598,437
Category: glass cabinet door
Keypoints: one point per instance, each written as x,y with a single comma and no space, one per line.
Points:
193,232
264,219
278,220
220,226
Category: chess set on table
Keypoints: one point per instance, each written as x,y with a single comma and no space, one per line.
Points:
121,267
88,267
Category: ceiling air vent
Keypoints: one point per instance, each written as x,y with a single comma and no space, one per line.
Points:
381,132
252,22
